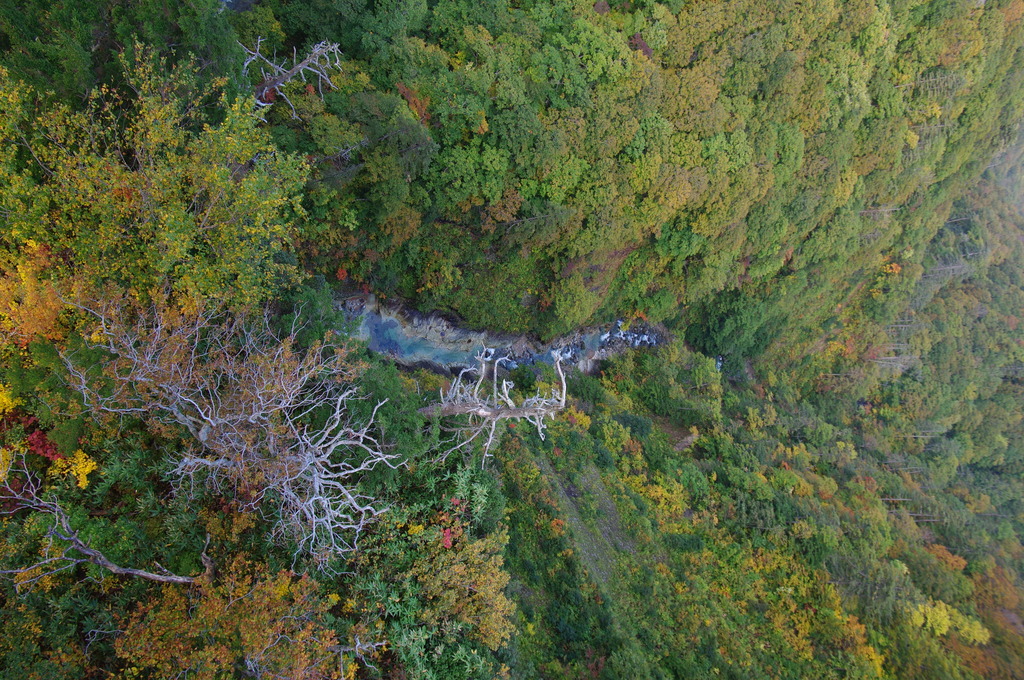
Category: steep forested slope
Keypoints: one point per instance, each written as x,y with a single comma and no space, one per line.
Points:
605,157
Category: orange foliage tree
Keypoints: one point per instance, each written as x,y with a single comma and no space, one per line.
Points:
266,624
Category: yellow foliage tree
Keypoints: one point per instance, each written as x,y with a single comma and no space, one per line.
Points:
7,401
168,198
939,618
78,466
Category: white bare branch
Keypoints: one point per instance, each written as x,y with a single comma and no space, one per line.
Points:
64,549
274,422
484,412
324,58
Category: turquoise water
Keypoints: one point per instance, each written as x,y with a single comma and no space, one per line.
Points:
455,347
388,336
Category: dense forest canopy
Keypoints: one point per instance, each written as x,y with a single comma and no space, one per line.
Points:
818,475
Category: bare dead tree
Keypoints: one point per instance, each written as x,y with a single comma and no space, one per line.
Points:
964,217
926,430
273,421
64,549
943,85
485,406
879,212
948,270
897,364
903,327
318,64
1014,370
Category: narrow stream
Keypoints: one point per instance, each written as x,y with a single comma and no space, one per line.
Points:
415,339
